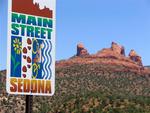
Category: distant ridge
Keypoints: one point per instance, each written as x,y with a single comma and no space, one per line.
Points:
28,7
115,56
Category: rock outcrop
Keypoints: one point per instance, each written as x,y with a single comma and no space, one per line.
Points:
118,49
115,55
115,51
135,57
81,51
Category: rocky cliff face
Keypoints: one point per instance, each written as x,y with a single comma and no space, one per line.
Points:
118,49
115,51
81,51
115,55
135,57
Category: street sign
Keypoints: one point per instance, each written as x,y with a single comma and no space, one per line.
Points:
31,47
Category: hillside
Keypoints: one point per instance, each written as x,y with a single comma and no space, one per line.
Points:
91,84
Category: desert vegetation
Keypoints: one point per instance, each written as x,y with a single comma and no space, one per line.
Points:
88,88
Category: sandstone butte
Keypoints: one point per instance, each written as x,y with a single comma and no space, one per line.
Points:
113,56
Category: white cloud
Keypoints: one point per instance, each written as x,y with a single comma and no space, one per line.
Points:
48,3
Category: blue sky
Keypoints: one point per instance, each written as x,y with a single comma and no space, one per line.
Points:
96,24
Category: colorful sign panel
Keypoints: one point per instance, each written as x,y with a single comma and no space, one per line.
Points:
31,47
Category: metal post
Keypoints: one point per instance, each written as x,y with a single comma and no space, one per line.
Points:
29,103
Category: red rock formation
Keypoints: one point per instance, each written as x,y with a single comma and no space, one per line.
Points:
118,49
113,56
81,51
135,57
28,7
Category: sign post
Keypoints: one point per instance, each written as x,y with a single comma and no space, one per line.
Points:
29,103
31,48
